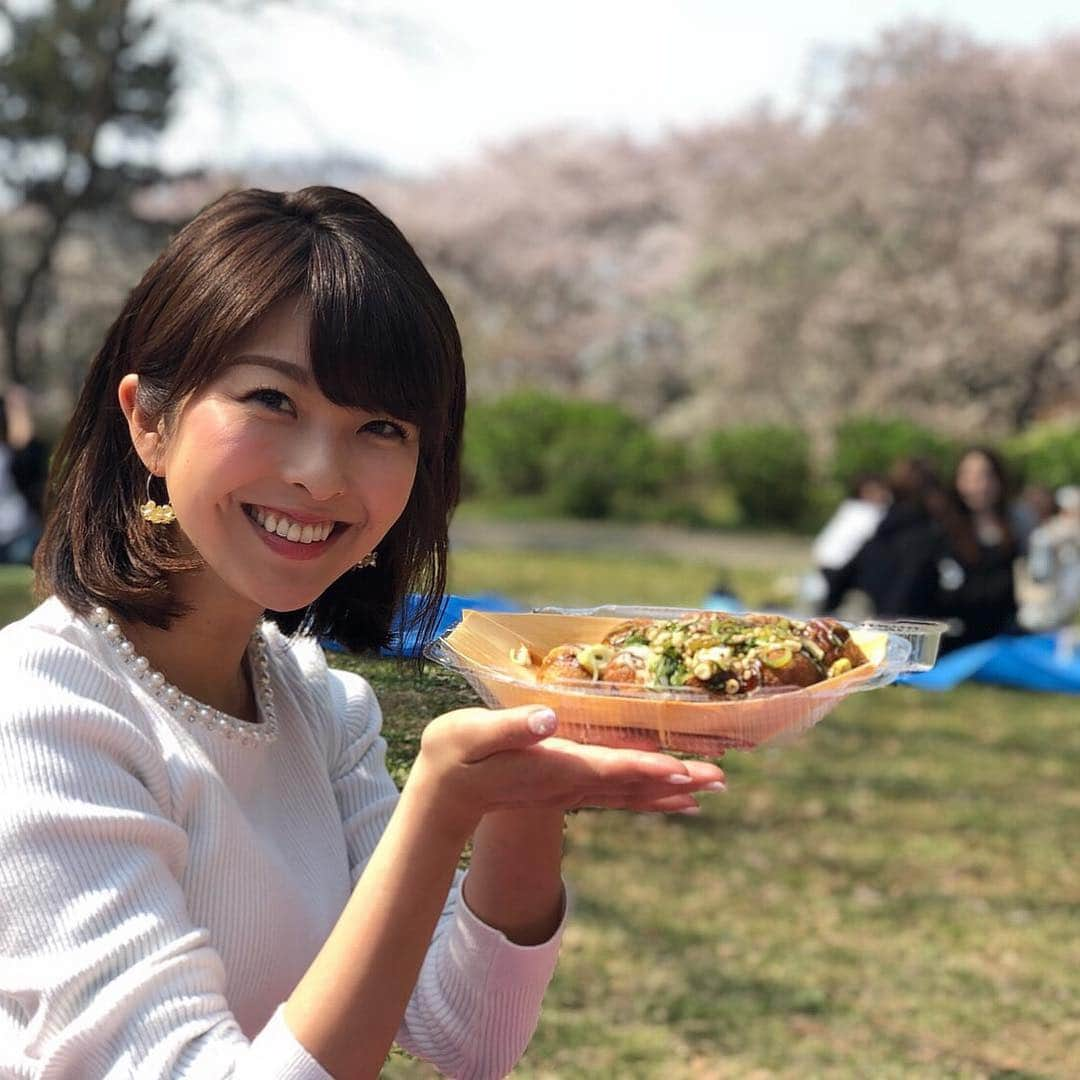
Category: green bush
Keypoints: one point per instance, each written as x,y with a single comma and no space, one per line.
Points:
580,459
604,463
507,442
869,444
1046,454
767,469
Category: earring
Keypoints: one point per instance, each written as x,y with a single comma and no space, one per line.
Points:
368,561
150,511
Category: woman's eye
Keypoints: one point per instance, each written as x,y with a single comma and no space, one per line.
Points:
387,429
272,399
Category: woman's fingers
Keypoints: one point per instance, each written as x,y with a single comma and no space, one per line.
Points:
479,733
614,767
649,802
499,758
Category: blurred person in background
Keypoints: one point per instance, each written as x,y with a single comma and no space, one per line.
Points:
855,520
1035,505
895,570
1052,595
20,524
976,570
29,452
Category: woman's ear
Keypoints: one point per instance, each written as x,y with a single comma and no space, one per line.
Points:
145,437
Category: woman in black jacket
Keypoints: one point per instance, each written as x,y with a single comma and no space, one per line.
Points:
896,568
976,572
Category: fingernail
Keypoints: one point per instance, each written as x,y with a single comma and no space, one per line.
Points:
678,778
716,785
691,810
542,722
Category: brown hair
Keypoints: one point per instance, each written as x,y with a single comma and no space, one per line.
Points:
382,338
961,524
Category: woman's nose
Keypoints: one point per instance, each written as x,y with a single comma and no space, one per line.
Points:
317,465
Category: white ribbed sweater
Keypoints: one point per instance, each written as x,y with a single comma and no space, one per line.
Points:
162,888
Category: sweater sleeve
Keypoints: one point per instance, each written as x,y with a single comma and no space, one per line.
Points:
477,999
102,972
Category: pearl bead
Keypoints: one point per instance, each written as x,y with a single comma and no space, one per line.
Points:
187,708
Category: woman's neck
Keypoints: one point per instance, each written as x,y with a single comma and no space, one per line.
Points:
203,653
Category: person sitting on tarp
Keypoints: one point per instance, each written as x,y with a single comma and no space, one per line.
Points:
1053,567
20,527
895,570
976,571
853,523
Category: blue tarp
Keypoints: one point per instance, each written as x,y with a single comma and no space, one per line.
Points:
407,641
1032,662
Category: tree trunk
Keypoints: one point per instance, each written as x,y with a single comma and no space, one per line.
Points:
18,310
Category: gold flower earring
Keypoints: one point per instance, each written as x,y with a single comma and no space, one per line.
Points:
368,561
150,511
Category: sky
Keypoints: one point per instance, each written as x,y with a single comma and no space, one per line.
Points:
421,84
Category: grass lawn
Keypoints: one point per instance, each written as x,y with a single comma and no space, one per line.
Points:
582,579
894,895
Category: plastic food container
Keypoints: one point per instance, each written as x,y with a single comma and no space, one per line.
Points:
480,649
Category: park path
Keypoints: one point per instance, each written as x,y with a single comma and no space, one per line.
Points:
777,551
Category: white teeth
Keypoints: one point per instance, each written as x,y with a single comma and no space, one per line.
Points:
292,530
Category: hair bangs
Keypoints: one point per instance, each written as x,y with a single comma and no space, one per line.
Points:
378,342
260,269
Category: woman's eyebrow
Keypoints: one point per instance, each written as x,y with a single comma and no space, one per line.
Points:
287,368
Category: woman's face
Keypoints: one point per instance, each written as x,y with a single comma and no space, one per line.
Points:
977,483
280,490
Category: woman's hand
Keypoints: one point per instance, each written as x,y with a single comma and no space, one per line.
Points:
475,761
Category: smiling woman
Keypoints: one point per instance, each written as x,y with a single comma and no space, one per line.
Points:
207,871
317,291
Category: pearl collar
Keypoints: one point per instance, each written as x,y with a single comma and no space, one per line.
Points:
187,708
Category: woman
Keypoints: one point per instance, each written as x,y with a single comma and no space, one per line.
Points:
206,869
976,572
896,568
20,526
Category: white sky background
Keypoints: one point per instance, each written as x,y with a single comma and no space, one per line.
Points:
483,71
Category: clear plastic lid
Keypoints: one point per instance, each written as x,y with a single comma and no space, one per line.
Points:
922,635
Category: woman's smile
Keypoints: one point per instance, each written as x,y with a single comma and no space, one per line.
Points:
292,525
289,535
